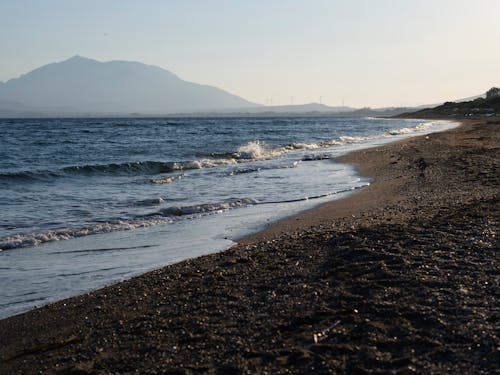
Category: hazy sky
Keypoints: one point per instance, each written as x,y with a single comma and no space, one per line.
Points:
365,52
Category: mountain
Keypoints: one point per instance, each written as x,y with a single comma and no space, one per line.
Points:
80,85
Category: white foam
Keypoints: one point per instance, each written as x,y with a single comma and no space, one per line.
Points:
163,216
34,239
205,208
257,150
420,127
166,180
150,202
303,146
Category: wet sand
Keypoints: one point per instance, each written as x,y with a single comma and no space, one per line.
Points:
402,276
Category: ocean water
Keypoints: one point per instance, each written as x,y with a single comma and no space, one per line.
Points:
88,202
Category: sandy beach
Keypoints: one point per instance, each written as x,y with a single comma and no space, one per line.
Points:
401,276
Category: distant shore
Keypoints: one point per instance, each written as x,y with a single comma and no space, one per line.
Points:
400,276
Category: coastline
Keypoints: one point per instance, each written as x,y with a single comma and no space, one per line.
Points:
380,279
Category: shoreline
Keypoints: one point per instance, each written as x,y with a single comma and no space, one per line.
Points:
167,244
356,203
296,295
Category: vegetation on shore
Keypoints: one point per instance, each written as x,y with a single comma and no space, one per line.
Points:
488,106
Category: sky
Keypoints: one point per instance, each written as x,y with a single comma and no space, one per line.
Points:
372,53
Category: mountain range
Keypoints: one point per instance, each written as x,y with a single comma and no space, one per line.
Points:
81,85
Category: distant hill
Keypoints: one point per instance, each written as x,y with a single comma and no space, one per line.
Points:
302,108
487,105
81,85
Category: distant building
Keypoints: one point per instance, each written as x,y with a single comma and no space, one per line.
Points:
494,92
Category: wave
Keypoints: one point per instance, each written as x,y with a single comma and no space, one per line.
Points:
204,208
162,216
150,202
117,169
166,180
238,171
419,127
28,175
34,239
144,167
258,150
249,152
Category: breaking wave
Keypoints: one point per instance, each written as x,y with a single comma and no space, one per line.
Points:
257,150
248,152
132,168
33,239
162,216
166,180
204,208
419,127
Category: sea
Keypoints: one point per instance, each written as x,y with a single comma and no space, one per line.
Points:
89,202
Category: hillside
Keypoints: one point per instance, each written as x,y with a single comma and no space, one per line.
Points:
488,106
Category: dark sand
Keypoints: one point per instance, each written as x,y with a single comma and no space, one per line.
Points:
402,276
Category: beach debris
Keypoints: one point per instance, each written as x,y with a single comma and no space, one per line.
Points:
320,336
